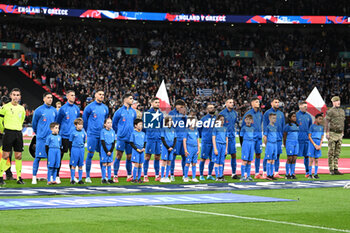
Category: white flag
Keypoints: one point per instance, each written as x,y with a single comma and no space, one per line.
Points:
316,104
162,95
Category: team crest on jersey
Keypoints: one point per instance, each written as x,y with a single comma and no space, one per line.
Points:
44,119
95,116
123,119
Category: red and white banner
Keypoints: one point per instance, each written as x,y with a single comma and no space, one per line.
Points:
162,95
316,104
12,62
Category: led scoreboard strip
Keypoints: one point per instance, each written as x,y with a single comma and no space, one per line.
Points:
152,16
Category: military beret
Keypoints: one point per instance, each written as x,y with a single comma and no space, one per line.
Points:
335,98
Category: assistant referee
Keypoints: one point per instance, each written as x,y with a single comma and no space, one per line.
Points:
11,121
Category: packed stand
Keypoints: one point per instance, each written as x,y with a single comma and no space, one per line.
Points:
86,60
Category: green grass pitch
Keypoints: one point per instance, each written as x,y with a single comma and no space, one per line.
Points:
327,207
316,210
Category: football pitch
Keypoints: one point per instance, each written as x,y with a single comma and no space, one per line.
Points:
312,210
315,210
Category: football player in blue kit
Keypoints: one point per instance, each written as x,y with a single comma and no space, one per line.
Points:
316,134
220,145
94,115
107,138
154,141
123,125
280,123
77,141
53,148
270,139
138,144
231,120
248,146
168,137
191,147
290,141
66,117
304,121
257,124
43,116
179,119
205,133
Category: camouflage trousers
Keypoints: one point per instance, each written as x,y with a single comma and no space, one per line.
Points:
334,147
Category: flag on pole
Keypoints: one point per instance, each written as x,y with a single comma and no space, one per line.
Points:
315,104
162,95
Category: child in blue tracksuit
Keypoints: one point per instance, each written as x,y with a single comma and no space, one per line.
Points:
138,144
270,140
53,148
248,147
168,137
107,137
290,141
77,141
220,145
191,147
316,132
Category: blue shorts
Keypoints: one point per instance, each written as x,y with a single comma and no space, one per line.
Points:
40,151
231,147
153,146
93,143
54,158
303,149
166,155
258,146
220,158
206,150
271,151
137,157
77,156
248,150
104,158
292,148
179,147
192,157
124,146
279,147
313,153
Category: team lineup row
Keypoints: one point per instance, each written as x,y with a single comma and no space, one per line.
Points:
58,132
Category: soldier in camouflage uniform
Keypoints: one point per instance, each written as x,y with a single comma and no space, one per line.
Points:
335,119
134,105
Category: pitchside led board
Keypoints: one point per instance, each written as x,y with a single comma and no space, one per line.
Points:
150,16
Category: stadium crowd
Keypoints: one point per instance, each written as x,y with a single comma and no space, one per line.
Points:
287,64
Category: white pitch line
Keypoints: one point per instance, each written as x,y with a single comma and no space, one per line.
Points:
255,219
